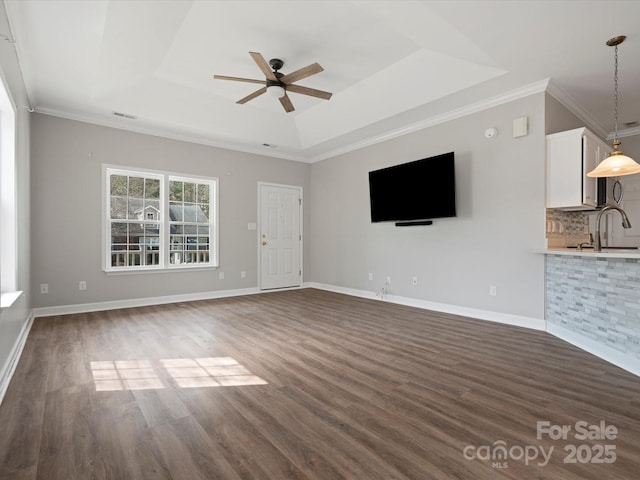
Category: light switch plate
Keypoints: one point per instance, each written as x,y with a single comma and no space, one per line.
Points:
520,127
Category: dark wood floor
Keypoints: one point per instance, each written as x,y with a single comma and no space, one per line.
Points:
306,384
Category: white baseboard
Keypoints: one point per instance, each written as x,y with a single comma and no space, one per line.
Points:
147,301
498,317
10,365
140,302
617,358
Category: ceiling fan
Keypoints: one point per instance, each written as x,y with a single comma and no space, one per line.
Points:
278,84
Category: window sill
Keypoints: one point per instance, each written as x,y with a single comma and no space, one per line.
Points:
143,271
7,299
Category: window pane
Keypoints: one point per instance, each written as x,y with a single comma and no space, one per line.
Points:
118,185
203,230
152,209
152,188
118,260
118,207
135,210
190,213
177,242
118,233
152,258
203,193
203,243
136,187
189,192
151,231
175,190
175,212
135,233
204,212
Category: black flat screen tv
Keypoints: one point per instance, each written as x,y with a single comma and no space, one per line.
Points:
419,190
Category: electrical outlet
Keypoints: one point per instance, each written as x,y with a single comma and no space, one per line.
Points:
493,291
243,274
221,275
388,280
414,281
370,276
44,288
82,285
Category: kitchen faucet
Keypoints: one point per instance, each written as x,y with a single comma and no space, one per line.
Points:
597,245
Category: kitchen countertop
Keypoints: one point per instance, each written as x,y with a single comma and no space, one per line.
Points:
606,253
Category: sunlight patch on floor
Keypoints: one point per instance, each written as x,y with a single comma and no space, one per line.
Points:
184,372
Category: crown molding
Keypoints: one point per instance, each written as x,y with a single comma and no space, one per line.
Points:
628,132
567,100
479,106
546,85
165,133
594,125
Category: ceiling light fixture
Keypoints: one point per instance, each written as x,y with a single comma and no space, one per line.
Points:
275,90
617,163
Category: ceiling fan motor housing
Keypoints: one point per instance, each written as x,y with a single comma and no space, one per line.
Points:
276,64
275,83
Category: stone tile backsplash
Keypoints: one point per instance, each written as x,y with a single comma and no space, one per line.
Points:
566,228
566,224
598,298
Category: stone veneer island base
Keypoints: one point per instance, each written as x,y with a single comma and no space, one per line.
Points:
593,301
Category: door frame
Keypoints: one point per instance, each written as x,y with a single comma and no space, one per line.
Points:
259,229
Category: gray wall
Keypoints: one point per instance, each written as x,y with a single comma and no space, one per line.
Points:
66,210
11,325
557,118
500,196
631,147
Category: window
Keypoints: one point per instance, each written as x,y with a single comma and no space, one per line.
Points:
157,220
8,195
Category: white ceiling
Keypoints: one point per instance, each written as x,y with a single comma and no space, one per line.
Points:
393,66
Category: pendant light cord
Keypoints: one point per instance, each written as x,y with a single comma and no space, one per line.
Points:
615,95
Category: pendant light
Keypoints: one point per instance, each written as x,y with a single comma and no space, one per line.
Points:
617,163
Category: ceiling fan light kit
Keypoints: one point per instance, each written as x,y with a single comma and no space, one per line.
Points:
277,84
617,163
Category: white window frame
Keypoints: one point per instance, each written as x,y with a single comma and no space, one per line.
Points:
164,264
8,193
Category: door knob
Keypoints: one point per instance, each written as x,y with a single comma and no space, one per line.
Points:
264,243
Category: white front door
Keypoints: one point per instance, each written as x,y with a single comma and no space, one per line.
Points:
280,236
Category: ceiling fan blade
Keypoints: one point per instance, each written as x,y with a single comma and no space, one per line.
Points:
255,94
302,73
237,79
263,65
286,103
312,92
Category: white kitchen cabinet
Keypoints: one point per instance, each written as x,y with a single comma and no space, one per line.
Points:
570,156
